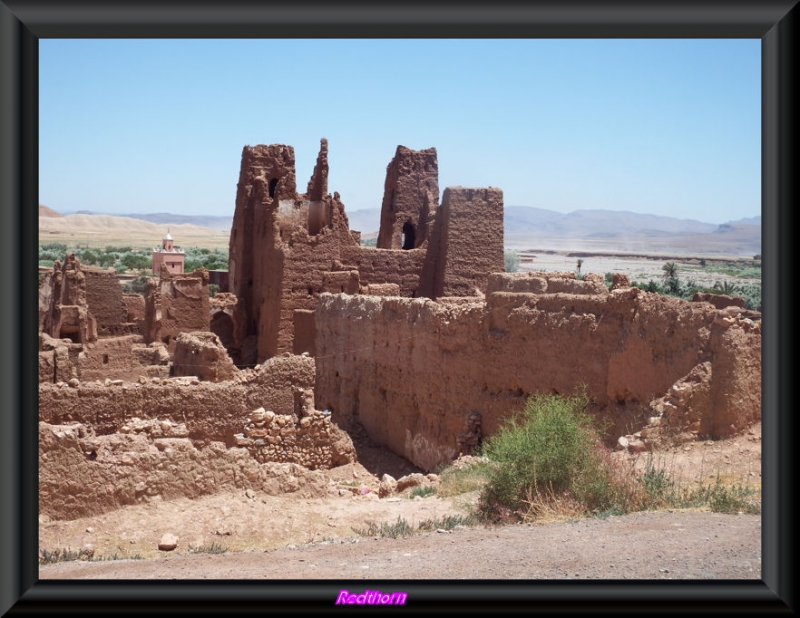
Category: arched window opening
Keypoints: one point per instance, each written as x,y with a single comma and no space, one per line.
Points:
272,185
409,235
222,326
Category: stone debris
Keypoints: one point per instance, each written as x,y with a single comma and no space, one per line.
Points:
387,487
168,542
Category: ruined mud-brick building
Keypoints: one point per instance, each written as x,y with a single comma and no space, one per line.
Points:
63,308
106,445
415,336
412,371
423,341
176,303
90,330
286,247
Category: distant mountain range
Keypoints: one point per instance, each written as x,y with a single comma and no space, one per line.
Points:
525,226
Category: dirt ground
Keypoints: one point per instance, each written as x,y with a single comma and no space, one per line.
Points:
284,537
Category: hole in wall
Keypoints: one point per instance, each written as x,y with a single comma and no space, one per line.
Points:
408,236
272,185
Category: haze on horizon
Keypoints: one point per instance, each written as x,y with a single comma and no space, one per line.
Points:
663,127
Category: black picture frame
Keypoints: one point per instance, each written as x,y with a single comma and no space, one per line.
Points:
23,23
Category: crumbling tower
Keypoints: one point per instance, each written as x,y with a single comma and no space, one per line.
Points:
267,185
283,246
410,198
288,248
67,314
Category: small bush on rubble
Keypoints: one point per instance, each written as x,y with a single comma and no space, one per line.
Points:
548,461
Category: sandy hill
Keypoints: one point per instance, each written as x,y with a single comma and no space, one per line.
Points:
105,230
45,211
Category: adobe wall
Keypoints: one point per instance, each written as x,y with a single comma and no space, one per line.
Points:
104,445
207,408
176,303
720,301
378,266
412,370
202,355
63,308
223,322
309,263
83,474
58,359
469,243
120,358
105,300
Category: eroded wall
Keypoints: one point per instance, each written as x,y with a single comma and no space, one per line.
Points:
174,304
63,307
105,301
411,370
105,445
469,241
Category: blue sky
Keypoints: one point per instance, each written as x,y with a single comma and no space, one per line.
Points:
668,127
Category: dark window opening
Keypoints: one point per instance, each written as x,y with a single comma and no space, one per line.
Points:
310,291
222,326
165,339
272,185
105,359
249,283
73,334
409,235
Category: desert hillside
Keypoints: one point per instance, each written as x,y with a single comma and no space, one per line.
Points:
103,230
524,229
46,211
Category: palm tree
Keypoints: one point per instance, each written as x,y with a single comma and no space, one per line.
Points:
670,270
726,287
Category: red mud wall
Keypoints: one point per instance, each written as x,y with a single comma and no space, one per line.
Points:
379,266
105,301
176,304
214,411
101,447
470,234
114,358
412,370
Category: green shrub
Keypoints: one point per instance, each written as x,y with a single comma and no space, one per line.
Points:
457,481
422,491
549,458
511,261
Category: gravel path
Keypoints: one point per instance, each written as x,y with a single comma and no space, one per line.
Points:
658,545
